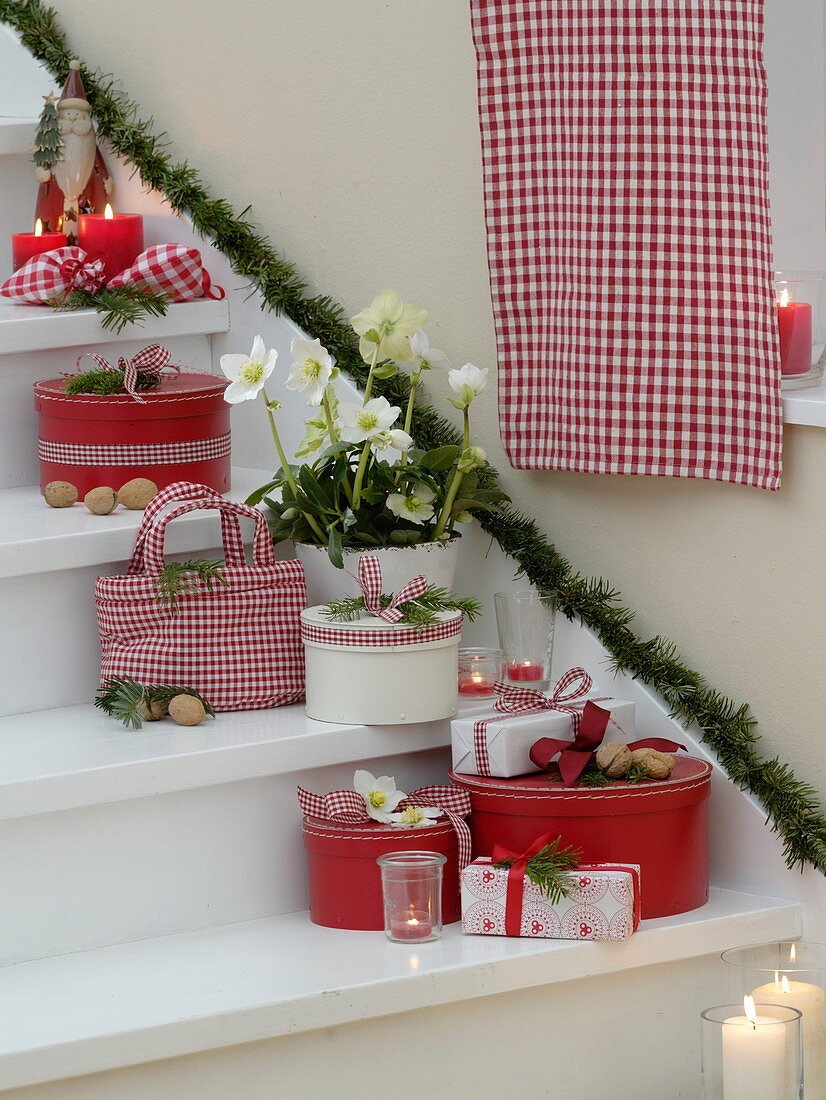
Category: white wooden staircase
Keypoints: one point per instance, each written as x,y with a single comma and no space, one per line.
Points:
153,883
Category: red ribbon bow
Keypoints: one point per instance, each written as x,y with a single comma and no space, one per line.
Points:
369,579
87,273
515,894
575,755
154,359
453,802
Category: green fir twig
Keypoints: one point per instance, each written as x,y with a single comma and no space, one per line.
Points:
118,306
422,611
183,578
549,868
104,383
123,698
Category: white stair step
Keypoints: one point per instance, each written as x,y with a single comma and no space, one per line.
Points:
16,135
154,999
26,328
35,538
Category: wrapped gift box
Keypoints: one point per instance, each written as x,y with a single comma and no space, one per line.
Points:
509,738
603,903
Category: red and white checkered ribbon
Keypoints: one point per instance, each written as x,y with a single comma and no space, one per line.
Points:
134,454
368,638
54,274
369,579
153,359
348,806
174,269
573,684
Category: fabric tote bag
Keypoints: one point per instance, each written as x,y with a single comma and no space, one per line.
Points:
238,643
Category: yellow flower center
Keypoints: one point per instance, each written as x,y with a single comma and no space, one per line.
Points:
252,372
311,369
414,503
367,421
412,816
377,799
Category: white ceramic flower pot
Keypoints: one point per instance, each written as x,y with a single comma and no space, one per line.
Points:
436,561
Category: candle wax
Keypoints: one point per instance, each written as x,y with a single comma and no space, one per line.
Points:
119,239
525,670
794,322
808,999
754,1057
26,245
415,926
475,685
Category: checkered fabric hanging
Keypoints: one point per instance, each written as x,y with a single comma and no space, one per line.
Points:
626,200
172,268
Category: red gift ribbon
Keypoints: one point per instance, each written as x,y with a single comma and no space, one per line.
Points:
575,755
514,896
153,359
84,274
369,579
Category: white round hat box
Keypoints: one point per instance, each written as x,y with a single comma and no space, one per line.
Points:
374,673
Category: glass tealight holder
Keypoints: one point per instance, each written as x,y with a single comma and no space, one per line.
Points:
800,298
526,635
412,889
479,669
751,1052
788,973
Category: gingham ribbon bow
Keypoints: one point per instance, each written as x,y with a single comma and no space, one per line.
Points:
369,579
349,806
83,272
154,359
572,685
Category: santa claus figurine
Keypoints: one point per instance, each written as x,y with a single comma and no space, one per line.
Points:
77,182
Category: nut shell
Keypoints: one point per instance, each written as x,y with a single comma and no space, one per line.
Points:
101,501
137,493
613,758
187,710
656,765
147,712
60,494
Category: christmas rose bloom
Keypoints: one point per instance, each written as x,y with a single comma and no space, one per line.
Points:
390,321
415,815
395,438
380,795
248,373
310,369
415,506
468,381
426,357
362,422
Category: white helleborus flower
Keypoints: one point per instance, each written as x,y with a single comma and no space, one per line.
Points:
380,795
362,422
414,506
395,438
468,381
310,369
248,373
426,357
415,815
391,321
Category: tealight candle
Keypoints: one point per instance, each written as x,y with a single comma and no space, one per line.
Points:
26,245
412,892
479,669
118,238
417,926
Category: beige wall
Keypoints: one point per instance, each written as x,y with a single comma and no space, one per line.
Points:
350,127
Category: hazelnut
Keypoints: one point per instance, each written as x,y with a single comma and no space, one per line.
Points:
137,493
187,710
60,494
147,711
159,710
101,501
613,758
656,765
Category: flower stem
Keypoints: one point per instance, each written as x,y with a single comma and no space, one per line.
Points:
362,467
455,483
408,421
285,466
368,389
328,416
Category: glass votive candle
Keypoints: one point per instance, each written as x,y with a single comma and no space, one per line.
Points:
525,620
412,889
479,669
751,1052
788,973
800,298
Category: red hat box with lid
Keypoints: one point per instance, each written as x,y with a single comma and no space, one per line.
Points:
179,431
662,825
345,879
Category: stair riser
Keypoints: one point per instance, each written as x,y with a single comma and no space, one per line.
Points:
148,867
18,420
17,207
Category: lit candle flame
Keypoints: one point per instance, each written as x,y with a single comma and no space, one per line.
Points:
413,922
784,985
476,678
776,978
38,228
108,213
792,953
784,297
748,1008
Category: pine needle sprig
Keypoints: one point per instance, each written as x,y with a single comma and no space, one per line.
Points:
549,868
122,697
422,611
118,306
104,383
183,578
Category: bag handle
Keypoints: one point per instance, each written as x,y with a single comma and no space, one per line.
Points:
263,553
181,491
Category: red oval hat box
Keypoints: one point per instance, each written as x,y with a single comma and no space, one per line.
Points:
345,880
179,432
661,825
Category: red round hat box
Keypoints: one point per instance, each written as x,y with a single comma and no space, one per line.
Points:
661,825
345,880
180,431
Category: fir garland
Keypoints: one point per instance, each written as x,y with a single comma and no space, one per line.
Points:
792,806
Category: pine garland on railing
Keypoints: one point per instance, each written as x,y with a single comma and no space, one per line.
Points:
792,806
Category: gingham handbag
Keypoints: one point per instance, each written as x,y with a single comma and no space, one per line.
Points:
238,644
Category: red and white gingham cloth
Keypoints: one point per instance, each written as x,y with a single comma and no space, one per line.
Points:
52,275
348,806
368,638
134,454
238,644
626,199
571,685
369,579
172,268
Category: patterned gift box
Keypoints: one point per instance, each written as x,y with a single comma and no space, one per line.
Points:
603,903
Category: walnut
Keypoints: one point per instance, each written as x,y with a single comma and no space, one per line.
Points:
187,710
101,501
137,493
149,711
60,494
656,765
613,758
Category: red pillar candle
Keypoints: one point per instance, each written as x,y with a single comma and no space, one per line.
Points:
118,238
794,323
26,245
